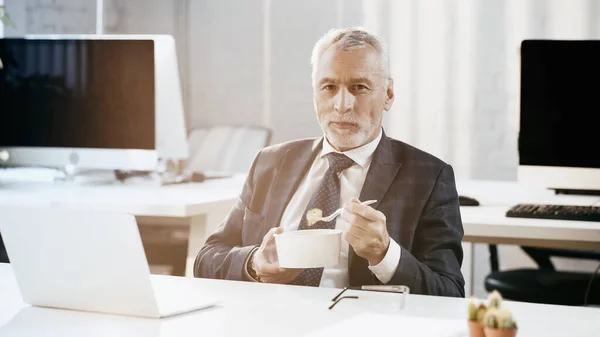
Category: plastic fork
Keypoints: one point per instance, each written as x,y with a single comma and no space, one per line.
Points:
313,219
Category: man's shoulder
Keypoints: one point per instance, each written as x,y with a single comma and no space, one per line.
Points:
280,149
270,158
420,166
409,154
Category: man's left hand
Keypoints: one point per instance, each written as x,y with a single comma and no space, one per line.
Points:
366,232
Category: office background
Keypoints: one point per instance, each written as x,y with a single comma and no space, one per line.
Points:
455,64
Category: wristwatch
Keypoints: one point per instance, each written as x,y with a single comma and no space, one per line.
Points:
252,269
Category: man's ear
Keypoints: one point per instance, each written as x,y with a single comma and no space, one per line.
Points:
389,95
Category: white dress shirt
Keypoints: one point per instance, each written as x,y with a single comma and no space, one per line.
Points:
351,183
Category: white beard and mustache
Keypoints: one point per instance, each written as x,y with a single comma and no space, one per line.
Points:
350,138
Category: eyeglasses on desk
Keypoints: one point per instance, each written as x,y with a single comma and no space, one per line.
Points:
404,290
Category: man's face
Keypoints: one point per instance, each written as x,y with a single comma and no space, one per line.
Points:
350,95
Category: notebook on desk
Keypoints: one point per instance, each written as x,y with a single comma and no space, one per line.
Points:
90,261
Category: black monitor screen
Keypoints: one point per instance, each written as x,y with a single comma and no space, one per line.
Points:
77,93
560,103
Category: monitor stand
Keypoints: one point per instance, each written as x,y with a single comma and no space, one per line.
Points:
71,175
575,192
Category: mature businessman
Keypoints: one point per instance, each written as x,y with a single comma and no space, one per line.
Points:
411,236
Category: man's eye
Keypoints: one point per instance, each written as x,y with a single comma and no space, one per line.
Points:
359,87
329,87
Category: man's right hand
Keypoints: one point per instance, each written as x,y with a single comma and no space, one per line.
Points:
266,263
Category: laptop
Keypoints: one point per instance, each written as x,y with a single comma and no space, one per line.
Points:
91,261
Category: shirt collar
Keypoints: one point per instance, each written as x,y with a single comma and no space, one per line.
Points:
361,155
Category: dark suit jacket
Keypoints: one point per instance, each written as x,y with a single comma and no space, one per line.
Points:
415,191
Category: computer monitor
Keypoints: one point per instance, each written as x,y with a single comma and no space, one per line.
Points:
93,101
559,137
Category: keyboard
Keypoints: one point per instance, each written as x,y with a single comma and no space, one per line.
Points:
556,212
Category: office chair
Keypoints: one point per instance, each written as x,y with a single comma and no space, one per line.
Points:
545,284
225,148
228,149
3,253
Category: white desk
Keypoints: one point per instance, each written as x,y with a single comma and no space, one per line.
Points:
252,309
488,223
201,206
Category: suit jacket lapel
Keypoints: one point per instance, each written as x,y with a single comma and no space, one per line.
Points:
382,172
292,169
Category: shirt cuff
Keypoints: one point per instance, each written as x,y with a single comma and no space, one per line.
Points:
386,269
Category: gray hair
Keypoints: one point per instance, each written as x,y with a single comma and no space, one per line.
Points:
349,38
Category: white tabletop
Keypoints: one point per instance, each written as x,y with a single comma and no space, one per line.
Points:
509,193
251,309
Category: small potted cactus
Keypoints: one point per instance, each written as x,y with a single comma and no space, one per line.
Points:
494,300
499,322
476,313
478,310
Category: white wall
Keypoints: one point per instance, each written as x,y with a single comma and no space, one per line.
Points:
226,58
252,61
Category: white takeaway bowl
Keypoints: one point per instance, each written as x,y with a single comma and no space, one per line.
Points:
309,248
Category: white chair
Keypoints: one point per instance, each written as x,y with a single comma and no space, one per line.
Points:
225,148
